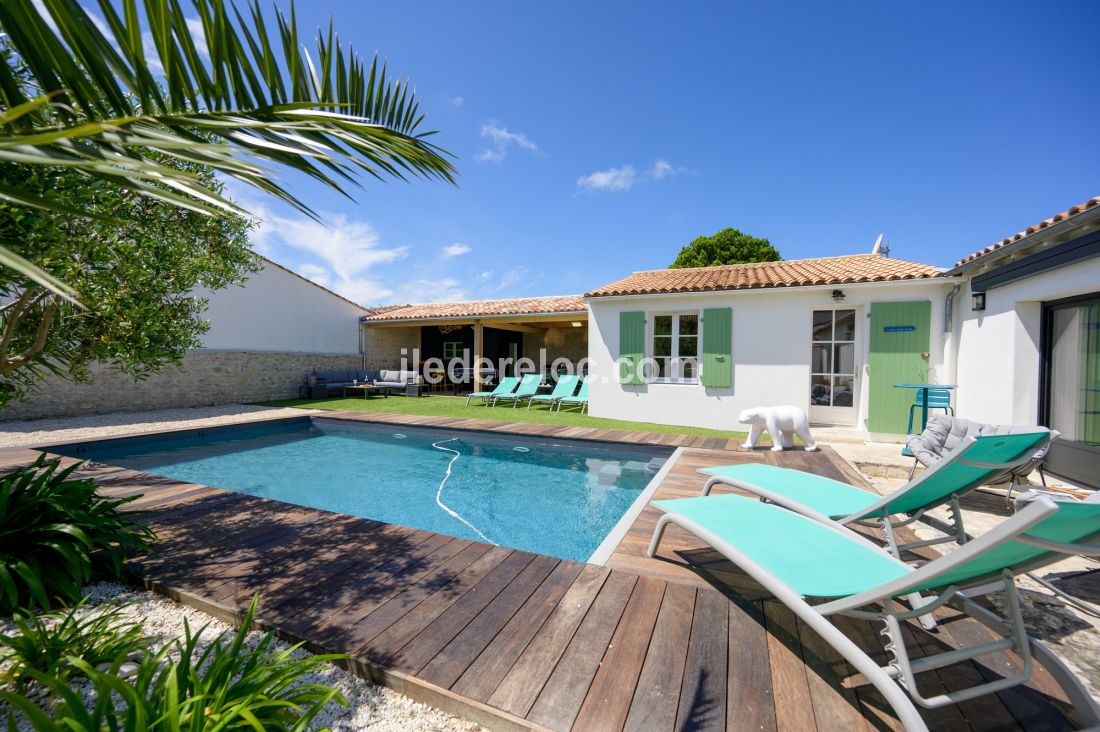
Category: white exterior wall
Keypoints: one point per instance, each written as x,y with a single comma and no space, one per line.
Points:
771,351
277,311
999,349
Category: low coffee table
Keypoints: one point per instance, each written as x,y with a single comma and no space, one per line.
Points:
367,390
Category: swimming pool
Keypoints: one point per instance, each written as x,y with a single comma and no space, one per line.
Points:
554,497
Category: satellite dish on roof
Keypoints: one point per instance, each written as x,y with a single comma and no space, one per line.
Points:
881,246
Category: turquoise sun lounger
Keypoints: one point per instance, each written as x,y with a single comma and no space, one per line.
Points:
528,387
581,399
968,466
798,559
567,384
506,386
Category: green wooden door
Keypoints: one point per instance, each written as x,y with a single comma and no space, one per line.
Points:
899,340
718,348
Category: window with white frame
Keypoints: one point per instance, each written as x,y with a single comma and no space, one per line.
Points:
675,347
452,350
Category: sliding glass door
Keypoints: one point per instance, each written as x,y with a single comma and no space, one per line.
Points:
1071,403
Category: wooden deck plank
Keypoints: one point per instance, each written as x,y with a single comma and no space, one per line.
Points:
458,653
560,699
793,709
702,704
355,624
835,706
429,641
520,687
609,698
376,585
654,707
489,668
750,700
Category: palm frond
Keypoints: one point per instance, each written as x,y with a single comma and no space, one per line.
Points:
243,101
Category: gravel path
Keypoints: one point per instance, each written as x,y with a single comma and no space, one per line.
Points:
370,707
16,433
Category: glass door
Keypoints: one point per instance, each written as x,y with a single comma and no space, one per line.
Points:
833,396
1071,399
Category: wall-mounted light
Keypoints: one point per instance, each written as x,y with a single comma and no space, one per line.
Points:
977,301
838,295
577,324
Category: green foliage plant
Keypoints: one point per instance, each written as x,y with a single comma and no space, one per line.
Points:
48,643
56,531
728,246
226,686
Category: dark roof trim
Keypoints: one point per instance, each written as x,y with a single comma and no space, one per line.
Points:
1060,255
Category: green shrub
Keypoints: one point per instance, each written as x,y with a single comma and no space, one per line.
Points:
54,531
226,687
48,643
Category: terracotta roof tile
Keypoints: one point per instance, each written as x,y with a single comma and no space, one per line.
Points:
792,273
481,308
1031,230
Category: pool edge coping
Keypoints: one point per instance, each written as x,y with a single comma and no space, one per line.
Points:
610,543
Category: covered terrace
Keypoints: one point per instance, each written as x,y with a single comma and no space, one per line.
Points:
466,337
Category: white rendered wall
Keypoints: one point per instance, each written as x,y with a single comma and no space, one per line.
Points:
278,311
999,349
771,351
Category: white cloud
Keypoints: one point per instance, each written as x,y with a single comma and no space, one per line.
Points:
511,277
663,169
421,290
456,250
198,37
485,276
340,254
612,179
626,177
502,140
455,102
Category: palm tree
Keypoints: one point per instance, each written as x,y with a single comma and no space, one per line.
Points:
120,96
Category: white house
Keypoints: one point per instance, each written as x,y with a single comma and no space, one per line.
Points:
1029,336
831,335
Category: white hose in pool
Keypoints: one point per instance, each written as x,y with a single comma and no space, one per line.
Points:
439,493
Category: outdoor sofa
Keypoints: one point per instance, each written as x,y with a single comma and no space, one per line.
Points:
324,383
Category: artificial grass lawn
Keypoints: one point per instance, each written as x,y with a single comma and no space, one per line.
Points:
449,406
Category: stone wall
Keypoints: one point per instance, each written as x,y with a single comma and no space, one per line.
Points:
574,346
382,346
206,378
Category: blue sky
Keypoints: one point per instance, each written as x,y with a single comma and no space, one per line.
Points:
593,139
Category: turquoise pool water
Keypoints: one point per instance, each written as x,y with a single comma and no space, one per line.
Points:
559,498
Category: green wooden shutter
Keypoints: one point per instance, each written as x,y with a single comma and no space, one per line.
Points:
631,346
899,340
718,348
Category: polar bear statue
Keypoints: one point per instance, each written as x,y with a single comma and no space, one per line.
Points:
781,423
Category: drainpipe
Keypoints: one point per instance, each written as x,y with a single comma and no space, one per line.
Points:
362,349
950,341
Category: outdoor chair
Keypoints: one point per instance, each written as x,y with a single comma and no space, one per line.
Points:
973,462
945,432
507,385
528,387
799,560
937,399
567,384
581,399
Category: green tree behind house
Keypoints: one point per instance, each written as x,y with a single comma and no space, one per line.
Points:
728,246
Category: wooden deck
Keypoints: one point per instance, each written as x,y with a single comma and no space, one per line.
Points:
517,640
